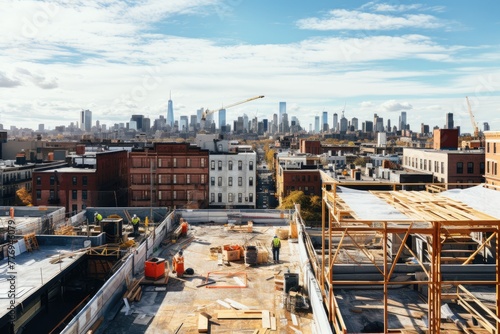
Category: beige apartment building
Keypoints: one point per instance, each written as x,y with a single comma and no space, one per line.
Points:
492,157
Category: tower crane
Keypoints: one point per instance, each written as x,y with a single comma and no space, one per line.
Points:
474,124
209,112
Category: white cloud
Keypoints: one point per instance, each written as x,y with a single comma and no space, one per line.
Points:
6,82
395,106
341,19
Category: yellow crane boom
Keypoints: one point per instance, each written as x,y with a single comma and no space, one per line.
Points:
473,121
209,112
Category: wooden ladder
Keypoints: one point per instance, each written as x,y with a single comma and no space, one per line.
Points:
31,242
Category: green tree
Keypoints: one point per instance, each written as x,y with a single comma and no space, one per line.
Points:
23,197
310,206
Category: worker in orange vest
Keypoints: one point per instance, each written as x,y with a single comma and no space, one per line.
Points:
178,264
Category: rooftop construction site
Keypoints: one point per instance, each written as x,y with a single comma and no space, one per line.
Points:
385,261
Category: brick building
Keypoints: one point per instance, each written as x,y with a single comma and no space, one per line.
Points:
169,174
492,156
93,179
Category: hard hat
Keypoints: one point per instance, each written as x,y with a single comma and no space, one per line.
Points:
275,236
135,215
96,213
180,252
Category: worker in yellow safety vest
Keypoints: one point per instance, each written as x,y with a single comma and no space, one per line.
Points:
97,217
135,224
276,245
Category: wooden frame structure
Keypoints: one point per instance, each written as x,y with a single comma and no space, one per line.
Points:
433,218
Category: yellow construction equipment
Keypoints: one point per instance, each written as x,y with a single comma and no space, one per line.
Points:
473,121
209,112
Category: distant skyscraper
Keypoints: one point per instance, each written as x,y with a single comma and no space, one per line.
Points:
449,121
170,112
343,123
41,127
325,121
138,121
199,113
245,123
222,120
316,124
265,124
367,126
335,125
402,121
183,124
354,123
86,120
281,113
285,125
275,124
486,126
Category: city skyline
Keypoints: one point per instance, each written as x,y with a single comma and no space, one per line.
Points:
119,59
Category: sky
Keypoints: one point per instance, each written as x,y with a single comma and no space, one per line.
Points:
119,58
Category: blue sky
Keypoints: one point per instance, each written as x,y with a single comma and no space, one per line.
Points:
120,58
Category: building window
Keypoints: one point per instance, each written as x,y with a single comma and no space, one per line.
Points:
188,162
219,165
460,167
470,168
212,197
74,208
174,162
230,165
488,168
84,194
174,181
488,148
250,197
52,180
240,165
212,164
219,197
240,181
38,194
250,181
74,194
202,179
230,181
174,194
38,180
240,198
84,180
250,165
202,162
230,197
212,181
481,168
494,147
51,194
425,164
74,180
219,181
188,178
442,167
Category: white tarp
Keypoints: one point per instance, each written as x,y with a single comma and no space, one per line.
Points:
368,206
482,199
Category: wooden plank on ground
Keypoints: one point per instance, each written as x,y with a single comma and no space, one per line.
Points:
223,303
294,320
239,314
202,324
273,323
266,319
236,305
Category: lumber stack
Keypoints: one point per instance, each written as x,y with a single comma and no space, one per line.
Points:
65,230
134,291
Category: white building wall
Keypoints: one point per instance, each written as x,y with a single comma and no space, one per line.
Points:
229,186
428,161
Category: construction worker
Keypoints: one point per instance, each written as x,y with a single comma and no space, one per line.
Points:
135,223
178,264
97,217
276,245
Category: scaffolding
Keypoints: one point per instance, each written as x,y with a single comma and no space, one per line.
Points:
437,233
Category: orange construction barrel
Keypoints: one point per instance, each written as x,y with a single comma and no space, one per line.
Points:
154,268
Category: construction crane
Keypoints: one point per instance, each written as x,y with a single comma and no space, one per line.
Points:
474,124
209,112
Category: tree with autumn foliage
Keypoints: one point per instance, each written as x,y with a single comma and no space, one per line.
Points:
310,205
23,197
